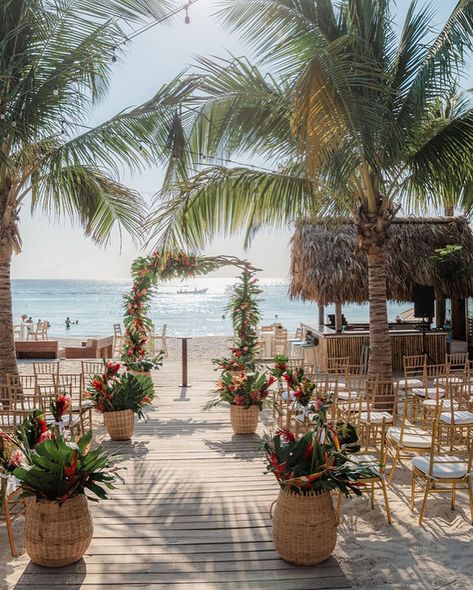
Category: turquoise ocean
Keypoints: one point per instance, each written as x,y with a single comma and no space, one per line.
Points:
97,305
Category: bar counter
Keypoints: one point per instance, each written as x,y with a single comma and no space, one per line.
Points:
403,342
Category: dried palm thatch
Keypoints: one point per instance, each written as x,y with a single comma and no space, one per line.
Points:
326,269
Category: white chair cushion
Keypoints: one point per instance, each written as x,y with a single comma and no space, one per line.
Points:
348,395
430,392
442,380
445,466
433,403
376,417
412,382
459,417
412,437
354,407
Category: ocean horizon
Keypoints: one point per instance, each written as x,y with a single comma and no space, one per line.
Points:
98,304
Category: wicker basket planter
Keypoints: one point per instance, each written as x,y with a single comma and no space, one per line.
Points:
119,425
244,420
58,534
304,527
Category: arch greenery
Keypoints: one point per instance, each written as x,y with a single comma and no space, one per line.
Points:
147,272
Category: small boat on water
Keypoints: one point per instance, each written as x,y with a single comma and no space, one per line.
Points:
192,292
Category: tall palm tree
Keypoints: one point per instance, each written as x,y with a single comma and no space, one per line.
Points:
343,107
55,64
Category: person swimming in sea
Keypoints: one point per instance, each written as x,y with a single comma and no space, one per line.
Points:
68,322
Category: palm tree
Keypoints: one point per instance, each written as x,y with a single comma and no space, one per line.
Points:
345,111
55,63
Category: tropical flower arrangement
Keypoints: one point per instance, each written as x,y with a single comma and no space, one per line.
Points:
59,475
244,307
319,460
280,366
242,389
146,364
56,469
114,391
145,272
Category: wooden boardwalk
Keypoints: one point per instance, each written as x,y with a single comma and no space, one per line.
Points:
193,513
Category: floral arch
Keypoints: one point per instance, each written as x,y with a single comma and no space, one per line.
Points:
146,273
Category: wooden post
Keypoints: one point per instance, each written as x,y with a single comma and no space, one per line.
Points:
338,317
440,312
459,319
184,362
321,314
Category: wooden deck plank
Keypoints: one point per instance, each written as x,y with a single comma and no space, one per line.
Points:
193,513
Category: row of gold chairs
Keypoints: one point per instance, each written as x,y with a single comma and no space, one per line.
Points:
400,423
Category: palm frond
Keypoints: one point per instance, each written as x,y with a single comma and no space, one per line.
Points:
224,201
90,198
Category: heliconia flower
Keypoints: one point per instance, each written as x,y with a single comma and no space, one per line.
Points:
97,384
43,427
286,435
271,380
298,393
70,471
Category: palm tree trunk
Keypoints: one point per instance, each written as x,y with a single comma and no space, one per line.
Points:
7,344
380,361
7,233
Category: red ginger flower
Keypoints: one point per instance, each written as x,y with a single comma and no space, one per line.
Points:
70,471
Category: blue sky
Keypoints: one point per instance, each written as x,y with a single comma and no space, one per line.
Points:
60,251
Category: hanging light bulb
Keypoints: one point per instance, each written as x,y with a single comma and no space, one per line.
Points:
114,55
56,90
187,20
13,123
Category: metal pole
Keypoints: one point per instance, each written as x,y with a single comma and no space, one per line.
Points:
184,363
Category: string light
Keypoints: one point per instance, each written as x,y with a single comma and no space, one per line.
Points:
187,19
56,90
130,37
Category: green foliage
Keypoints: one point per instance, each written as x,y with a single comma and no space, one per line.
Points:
59,470
449,262
244,307
55,67
354,115
113,391
241,389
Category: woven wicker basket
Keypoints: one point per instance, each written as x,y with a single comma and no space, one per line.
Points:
58,534
244,421
304,527
119,425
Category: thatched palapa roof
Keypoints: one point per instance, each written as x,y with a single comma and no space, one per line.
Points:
326,269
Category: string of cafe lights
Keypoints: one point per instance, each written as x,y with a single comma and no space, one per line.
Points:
113,48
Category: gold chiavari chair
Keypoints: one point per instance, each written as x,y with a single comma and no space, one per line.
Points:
11,506
414,367
455,419
441,473
45,372
404,439
89,369
81,407
279,343
456,362
377,410
26,383
348,400
47,394
377,463
432,388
